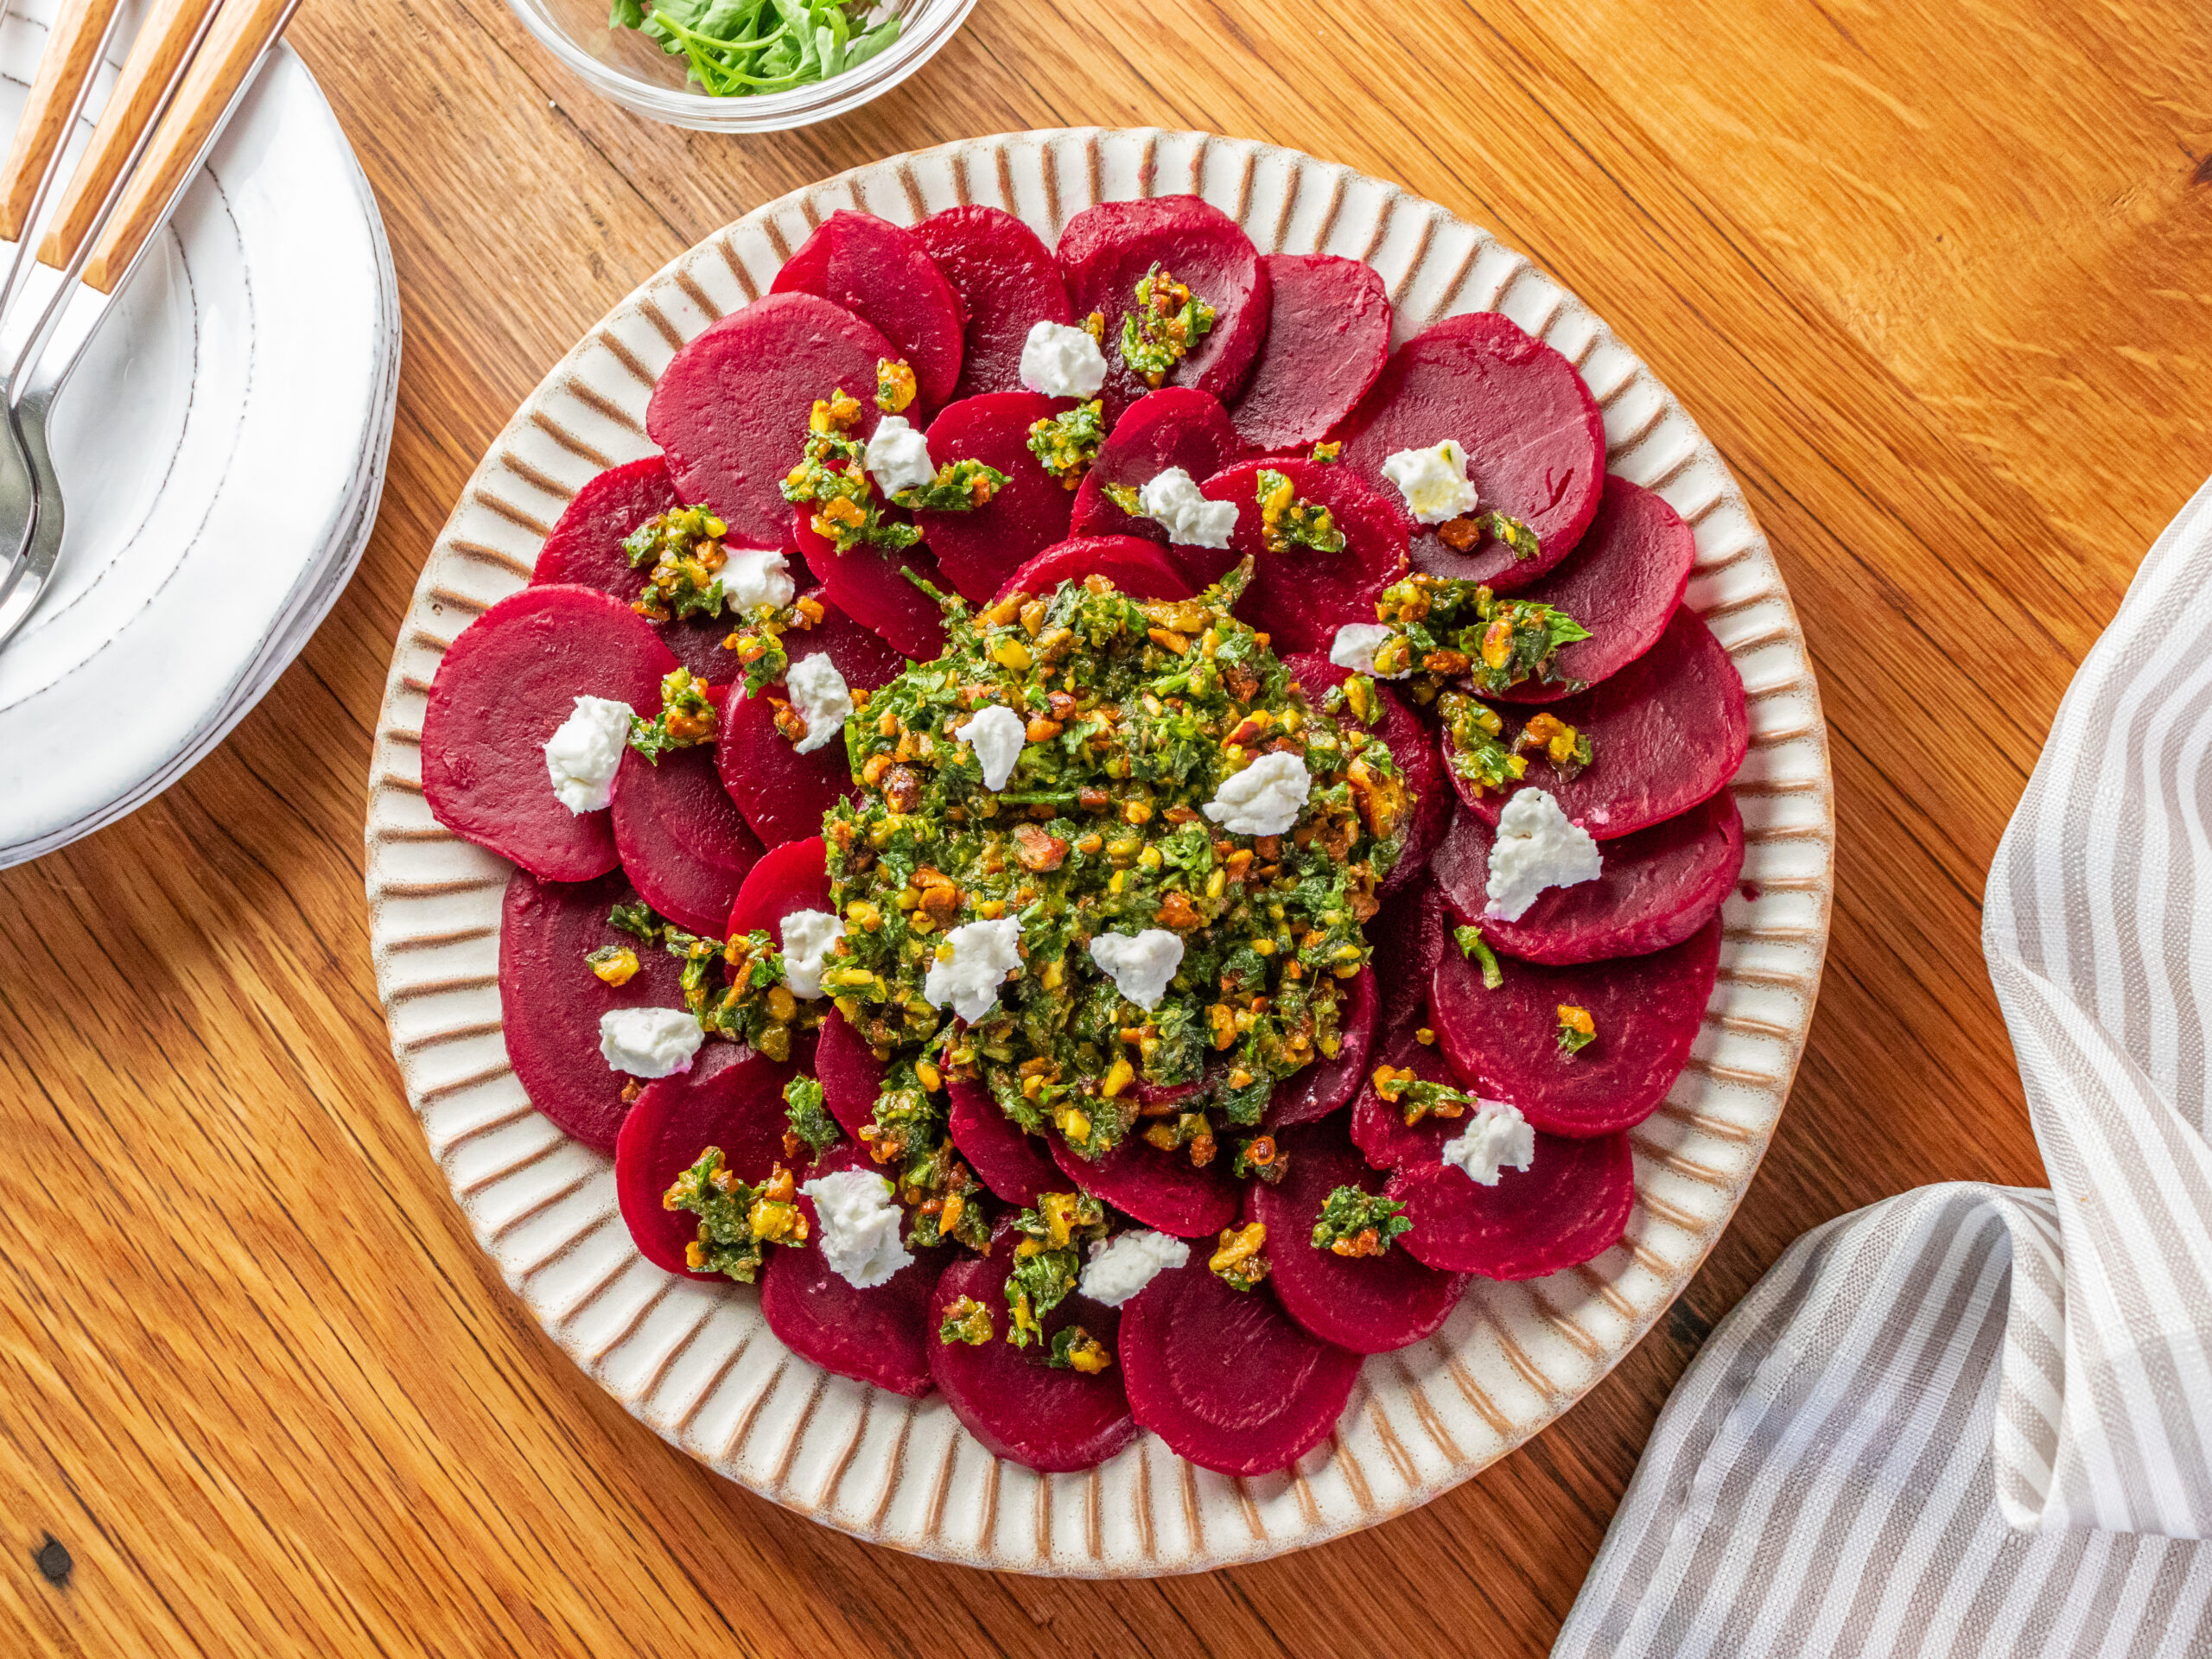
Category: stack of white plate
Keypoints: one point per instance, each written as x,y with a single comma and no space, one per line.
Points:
221,449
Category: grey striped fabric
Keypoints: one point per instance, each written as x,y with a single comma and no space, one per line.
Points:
1976,1419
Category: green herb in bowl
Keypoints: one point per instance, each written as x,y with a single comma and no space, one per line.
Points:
738,48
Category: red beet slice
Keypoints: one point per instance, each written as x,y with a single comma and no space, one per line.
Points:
1411,745
1176,426
551,1002
731,1098
1163,1190
1010,1398
1571,1204
1535,443
882,273
788,877
1368,1303
1659,886
506,685
1010,1163
1008,282
1106,249
1138,569
1303,597
850,1075
1504,1044
1408,935
730,409
1380,1130
1225,1377
684,841
1670,731
1328,337
881,1335
979,550
1623,582
782,793
869,585
1325,1085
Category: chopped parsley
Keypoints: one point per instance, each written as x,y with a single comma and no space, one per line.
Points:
1289,520
832,474
1066,444
1474,746
758,641
686,718
1048,1260
966,1320
1457,630
1355,1222
1475,948
909,1131
737,1221
1165,326
751,1005
810,1119
681,553
1416,1097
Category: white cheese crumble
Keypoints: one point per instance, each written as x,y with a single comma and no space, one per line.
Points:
649,1042
1537,847
1496,1138
823,699
1062,362
582,757
997,735
1140,965
1263,799
970,965
753,576
1123,1265
1355,647
1173,501
899,456
808,937
1434,481
859,1226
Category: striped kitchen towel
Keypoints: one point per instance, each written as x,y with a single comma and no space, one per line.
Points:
1977,1419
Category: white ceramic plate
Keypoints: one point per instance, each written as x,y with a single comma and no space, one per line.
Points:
697,1361
221,449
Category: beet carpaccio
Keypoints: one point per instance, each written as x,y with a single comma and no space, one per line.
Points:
1097,837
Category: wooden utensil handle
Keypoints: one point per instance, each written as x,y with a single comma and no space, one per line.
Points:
73,47
243,29
163,40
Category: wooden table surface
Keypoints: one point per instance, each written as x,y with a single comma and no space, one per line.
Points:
1938,281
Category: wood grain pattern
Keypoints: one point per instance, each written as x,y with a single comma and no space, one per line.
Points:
1933,280
72,52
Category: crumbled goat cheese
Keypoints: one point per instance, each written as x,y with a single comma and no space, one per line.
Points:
1140,966
821,697
582,757
997,734
808,937
899,456
1263,799
1172,501
649,1042
1123,1265
754,576
970,965
1434,481
1355,648
1062,362
1537,847
858,1226
1497,1137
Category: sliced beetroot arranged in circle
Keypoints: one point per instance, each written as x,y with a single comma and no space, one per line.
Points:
683,843
506,685
882,273
1412,745
1225,1377
1535,443
979,550
1380,1130
731,1098
1176,426
1138,569
1408,934
1015,1166
881,1335
1010,1398
1670,730
730,410
1162,1189
1327,1084
550,1001
870,585
850,1075
1301,598
1659,886
1369,1304
1328,337
1007,282
793,875
1105,249
1623,582
1570,1204
782,793
1504,1044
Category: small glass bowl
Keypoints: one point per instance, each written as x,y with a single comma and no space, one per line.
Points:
625,66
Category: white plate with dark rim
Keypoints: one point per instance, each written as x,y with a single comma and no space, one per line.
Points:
697,1361
222,449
